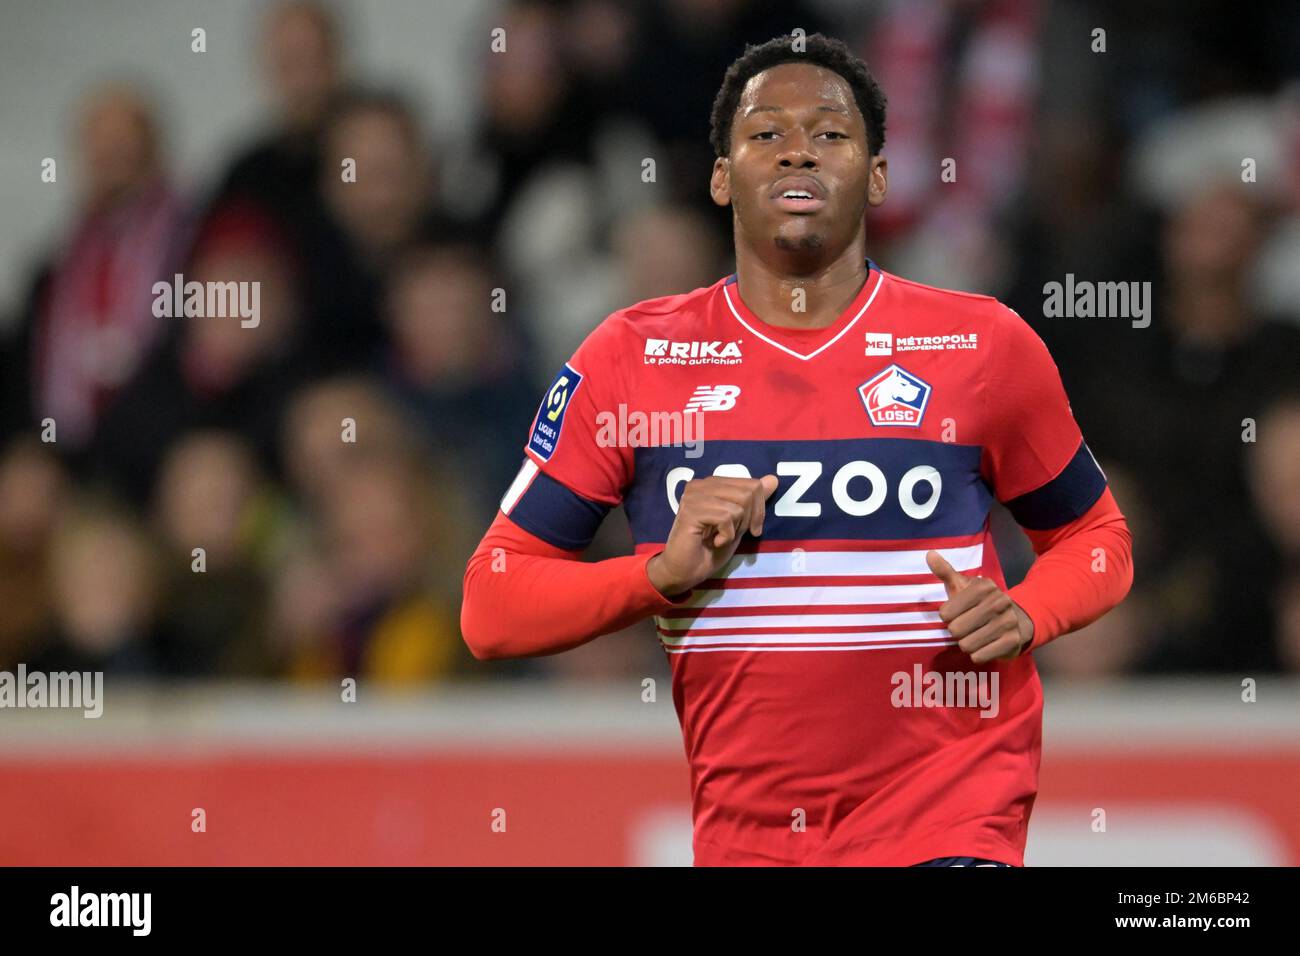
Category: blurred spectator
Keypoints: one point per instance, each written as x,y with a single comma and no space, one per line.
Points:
1259,568
371,602
1076,219
1274,470
667,250
89,321
1214,359
1159,67
330,424
33,491
210,496
962,81
372,215
105,584
530,116
599,38
1208,363
1287,612
302,65
455,365
386,205
371,586
218,371
653,251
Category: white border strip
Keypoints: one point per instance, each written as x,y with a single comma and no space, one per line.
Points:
798,620
813,595
780,564
527,472
855,638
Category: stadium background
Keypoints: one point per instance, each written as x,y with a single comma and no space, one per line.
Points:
521,171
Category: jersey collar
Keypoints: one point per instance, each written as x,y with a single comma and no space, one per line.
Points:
803,343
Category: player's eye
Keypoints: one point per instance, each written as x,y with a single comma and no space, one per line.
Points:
766,132
833,132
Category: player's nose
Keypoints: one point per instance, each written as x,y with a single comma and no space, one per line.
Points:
798,151
804,161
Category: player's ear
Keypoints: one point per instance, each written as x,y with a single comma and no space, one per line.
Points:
877,180
720,182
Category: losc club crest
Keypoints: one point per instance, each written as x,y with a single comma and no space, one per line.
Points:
895,397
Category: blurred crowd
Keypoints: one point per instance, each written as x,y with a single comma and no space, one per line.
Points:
193,498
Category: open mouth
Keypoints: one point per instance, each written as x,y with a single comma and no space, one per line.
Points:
800,195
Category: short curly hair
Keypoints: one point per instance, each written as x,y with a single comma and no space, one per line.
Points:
819,50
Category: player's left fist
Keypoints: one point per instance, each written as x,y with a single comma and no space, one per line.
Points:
987,624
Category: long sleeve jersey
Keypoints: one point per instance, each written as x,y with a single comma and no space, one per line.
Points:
827,714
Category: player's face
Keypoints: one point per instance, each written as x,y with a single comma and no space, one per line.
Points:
800,174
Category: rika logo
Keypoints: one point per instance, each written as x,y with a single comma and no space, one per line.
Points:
550,416
713,398
895,397
664,352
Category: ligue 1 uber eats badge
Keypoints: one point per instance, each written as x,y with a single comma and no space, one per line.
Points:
550,417
895,397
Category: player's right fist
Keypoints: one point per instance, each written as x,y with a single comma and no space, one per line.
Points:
712,516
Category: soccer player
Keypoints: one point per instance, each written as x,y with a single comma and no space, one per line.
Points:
853,677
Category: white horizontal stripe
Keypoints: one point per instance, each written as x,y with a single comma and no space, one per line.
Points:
798,620
783,563
801,650
879,637
517,487
824,594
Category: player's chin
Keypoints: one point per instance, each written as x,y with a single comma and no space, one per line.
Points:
800,238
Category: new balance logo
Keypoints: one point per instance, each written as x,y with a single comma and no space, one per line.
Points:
713,398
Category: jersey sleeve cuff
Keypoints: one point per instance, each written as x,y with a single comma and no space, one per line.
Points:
1035,612
645,589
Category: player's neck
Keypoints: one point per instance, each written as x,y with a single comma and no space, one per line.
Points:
804,298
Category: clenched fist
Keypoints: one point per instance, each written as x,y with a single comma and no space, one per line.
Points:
987,624
711,518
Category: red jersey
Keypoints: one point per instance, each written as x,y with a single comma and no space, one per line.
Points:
809,676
